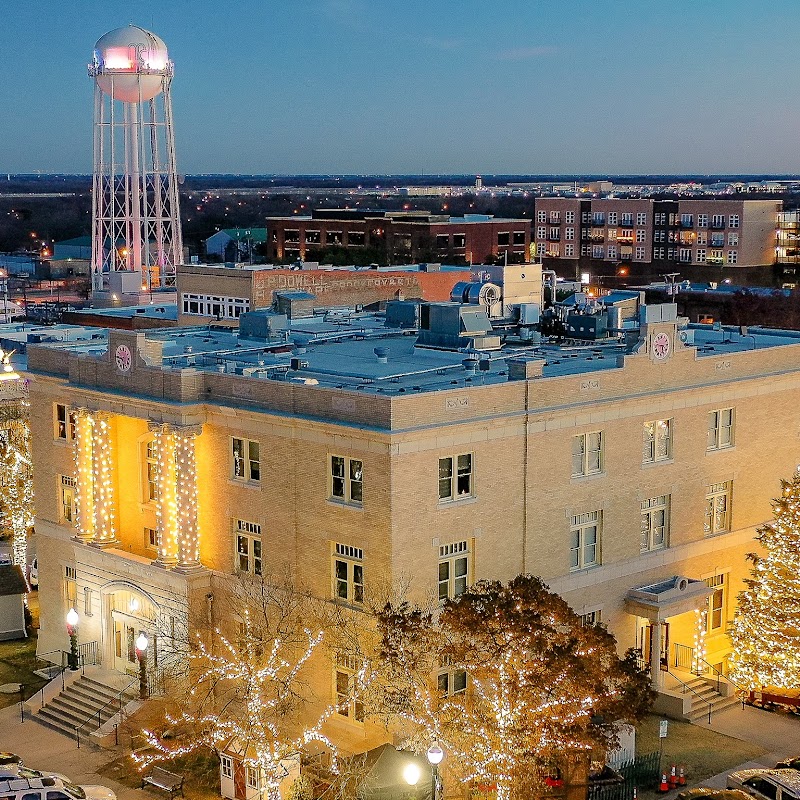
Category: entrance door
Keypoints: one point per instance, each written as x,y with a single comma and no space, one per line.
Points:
645,642
125,646
239,785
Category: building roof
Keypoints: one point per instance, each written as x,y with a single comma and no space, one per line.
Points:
246,234
12,581
78,241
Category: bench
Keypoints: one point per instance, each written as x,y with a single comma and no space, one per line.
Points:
163,779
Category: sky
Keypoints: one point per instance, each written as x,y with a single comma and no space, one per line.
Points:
425,86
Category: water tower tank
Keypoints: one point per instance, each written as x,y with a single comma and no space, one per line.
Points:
129,64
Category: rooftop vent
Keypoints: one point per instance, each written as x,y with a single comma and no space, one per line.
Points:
382,354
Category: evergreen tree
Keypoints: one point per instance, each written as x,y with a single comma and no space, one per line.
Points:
766,629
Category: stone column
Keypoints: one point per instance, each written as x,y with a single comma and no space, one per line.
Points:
166,506
84,474
105,522
186,495
655,654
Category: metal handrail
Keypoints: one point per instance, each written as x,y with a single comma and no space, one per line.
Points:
117,698
742,691
686,686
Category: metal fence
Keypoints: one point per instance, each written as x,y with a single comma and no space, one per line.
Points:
640,773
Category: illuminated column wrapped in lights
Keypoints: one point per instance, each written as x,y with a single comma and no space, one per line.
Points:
166,505
84,474
186,493
105,529
699,659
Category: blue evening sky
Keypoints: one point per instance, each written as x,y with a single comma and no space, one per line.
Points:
433,86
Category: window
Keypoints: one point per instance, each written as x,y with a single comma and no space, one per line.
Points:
459,240
661,218
702,220
554,235
150,472
733,239
718,508
733,221
569,251
541,216
552,250
248,547
334,237
541,232
503,239
70,587
658,253
612,217
569,217
686,220
206,305
657,441
348,573
597,251
313,237
151,538
347,483
641,218
612,234
518,237
720,429
442,241
541,248
717,602
451,682
586,250
733,256
251,776
655,523
641,235
67,493
65,423
345,687
700,257
555,216
87,602
660,236
640,253
356,237
627,220
453,570
591,618
246,461
226,766
612,251
685,255
718,221
569,234
584,544
455,477
587,454
702,237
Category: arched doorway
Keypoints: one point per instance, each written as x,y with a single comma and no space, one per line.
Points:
129,611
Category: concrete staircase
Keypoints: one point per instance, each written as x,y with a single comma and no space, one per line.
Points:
85,703
704,694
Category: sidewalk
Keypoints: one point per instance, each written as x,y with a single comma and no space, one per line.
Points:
777,733
45,749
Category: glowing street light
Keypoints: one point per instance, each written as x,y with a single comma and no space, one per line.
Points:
411,773
435,755
141,654
72,632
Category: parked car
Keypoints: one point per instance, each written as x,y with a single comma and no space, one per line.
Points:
769,784
9,758
707,793
45,788
789,763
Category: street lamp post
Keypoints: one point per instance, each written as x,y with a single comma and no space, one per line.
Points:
141,653
72,631
435,755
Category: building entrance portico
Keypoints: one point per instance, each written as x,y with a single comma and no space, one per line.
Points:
654,605
128,612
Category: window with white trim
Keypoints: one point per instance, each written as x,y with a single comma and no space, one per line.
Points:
569,234
453,570
718,508
541,232
66,485
65,422
151,538
541,216
702,220
226,766
345,684
584,547
733,257
715,619
717,221
660,218
451,682
87,602
216,306
590,618
655,523
612,217
150,472
251,777
641,235
70,587
639,253
612,251
569,251
587,454
455,477
641,218
700,256
348,573
569,217
657,441
248,547
720,429
733,239
246,462
346,480
733,221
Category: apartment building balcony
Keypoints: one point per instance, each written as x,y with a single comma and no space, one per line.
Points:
625,238
553,237
598,220
687,238
717,241
715,260
598,236
553,222
717,226
626,223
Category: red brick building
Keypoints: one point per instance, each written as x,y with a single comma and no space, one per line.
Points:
398,237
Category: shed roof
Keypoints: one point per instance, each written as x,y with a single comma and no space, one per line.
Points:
12,581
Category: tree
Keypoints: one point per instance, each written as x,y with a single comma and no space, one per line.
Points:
540,685
252,688
766,628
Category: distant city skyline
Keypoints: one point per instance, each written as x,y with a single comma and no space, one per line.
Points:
379,87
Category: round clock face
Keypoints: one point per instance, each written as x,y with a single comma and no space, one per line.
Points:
123,358
661,345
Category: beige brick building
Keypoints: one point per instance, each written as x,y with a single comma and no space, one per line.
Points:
612,471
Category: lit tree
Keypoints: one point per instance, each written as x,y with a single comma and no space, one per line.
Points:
252,688
766,628
540,684
16,477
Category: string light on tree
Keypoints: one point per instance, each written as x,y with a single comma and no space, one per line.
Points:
699,652
84,473
765,635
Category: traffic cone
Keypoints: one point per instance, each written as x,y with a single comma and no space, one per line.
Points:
681,777
673,778
663,787
635,793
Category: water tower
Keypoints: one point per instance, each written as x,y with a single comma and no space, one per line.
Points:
136,233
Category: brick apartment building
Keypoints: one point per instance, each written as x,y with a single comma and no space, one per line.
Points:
647,237
399,237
